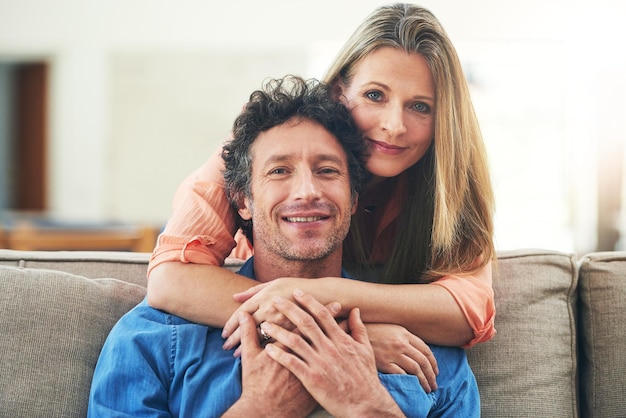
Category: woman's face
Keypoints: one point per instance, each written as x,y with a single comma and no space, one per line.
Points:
392,99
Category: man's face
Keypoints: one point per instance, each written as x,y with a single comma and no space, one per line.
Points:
301,204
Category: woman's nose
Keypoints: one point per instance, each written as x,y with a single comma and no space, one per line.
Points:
392,120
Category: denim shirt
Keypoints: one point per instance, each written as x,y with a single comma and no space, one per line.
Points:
154,364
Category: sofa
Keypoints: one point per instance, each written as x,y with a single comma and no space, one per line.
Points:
559,350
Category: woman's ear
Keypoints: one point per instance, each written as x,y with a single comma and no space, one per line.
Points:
337,92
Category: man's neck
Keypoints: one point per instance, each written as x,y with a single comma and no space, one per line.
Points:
268,267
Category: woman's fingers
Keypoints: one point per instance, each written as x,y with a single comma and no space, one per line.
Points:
398,352
424,350
241,297
233,322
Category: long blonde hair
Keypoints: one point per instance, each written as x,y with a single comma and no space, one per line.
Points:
446,227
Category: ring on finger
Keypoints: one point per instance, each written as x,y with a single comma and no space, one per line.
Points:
264,334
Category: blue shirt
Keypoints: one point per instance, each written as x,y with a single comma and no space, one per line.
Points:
154,364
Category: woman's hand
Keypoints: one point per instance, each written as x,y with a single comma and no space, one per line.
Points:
258,302
397,351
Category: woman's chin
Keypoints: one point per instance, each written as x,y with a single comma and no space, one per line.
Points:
384,169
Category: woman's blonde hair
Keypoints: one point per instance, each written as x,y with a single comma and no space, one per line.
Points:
447,225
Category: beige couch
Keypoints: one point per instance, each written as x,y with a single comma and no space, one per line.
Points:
560,349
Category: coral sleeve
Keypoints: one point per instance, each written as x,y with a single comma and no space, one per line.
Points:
203,223
474,295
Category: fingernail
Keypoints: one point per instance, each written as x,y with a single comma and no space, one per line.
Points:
266,326
298,292
224,334
278,300
335,307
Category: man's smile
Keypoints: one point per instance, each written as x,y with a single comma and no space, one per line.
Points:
303,219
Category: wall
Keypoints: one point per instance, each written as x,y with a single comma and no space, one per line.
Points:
6,128
143,90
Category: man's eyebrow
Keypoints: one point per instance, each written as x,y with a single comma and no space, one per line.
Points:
280,158
332,158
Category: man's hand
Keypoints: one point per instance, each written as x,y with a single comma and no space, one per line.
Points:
268,389
338,369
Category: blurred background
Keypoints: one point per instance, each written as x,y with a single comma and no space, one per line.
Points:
105,106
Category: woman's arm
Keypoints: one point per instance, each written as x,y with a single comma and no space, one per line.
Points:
453,311
197,292
428,311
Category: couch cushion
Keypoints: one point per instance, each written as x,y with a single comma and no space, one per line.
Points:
53,325
529,368
603,334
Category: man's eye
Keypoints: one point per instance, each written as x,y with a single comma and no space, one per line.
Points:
328,170
278,171
374,95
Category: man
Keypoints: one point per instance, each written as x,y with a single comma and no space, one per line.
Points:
293,171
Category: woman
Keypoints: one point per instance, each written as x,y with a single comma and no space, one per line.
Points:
424,224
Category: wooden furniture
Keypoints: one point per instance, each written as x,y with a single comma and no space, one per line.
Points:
30,237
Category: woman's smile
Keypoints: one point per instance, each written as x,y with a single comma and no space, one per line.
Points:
385,148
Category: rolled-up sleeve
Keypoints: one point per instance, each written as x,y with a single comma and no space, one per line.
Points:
202,227
474,295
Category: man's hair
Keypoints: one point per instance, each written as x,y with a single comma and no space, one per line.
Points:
279,101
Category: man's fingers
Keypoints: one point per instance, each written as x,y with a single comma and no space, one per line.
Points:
316,316
249,336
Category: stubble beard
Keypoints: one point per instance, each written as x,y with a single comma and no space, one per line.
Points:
314,247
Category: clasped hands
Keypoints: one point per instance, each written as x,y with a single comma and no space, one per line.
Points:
396,350
319,363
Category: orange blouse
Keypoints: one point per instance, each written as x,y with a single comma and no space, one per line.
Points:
202,230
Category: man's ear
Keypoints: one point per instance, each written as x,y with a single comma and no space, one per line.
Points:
355,204
244,209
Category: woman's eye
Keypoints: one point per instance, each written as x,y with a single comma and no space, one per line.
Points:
374,95
421,107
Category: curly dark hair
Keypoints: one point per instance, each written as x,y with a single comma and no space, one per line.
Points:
279,101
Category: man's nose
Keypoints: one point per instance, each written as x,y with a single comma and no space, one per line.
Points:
306,186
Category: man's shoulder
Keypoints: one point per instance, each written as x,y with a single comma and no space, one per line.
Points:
247,268
146,315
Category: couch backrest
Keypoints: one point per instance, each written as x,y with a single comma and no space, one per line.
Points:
602,330
529,368
52,327
125,266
